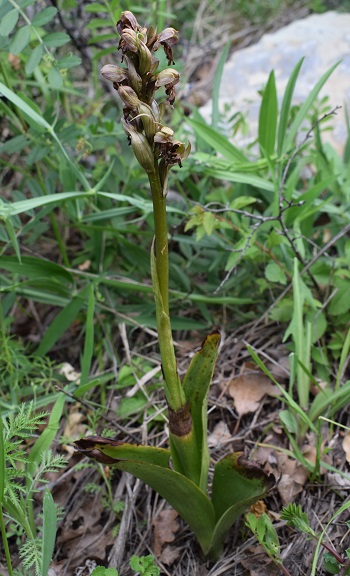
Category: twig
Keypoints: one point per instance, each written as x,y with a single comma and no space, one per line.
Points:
284,205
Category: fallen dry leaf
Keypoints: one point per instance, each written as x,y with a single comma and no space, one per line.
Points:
258,563
346,445
293,478
169,555
220,435
165,526
249,388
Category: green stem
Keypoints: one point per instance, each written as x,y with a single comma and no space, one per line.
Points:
161,237
5,542
174,392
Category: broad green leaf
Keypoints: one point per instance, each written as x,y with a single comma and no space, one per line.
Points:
20,40
196,385
8,22
301,115
55,79
103,449
56,39
34,59
217,141
95,7
285,108
182,494
15,144
69,61
237,484
274,273
62,322
44,16
49,531
268,117
102,571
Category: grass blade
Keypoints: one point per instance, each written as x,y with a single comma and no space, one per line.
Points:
285,108
301,115
89,338
49,531
216,87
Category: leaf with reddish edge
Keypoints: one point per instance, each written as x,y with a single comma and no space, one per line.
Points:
237,484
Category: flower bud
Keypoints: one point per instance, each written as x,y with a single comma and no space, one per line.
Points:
127,20
145,58
164,135
148,120
129,40
141,148
129,97
114,73
167,76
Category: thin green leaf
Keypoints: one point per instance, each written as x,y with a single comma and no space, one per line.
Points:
285,108
46,438
268,117
12,235
62,322
25,205
217,141
288,142
216,86
89,338
49,531
243,178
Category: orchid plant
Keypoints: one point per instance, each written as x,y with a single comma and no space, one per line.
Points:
237,483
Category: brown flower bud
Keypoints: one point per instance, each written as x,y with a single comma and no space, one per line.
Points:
129,40
127,20
167,76
114,73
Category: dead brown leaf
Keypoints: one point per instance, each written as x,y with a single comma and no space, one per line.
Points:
249,388
220,435
165,526
346,445
293,478
169,555
258,563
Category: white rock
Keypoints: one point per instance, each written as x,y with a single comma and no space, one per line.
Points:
323,39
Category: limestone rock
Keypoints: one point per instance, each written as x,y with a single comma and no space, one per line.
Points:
323,39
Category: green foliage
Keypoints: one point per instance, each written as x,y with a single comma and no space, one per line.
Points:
266,535
20,477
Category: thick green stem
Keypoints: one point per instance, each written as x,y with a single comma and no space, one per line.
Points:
161,237
174,393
